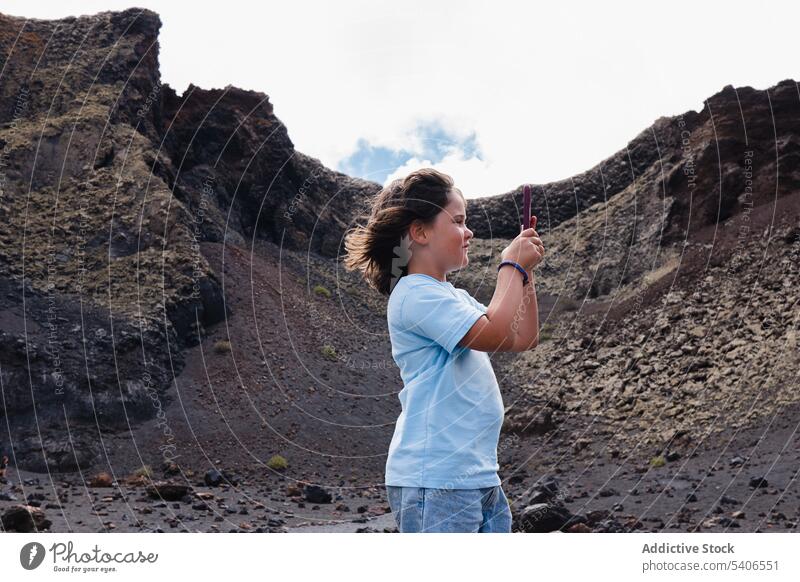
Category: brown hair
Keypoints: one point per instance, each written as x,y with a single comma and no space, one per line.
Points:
380,250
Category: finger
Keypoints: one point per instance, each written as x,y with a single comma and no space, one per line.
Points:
533,221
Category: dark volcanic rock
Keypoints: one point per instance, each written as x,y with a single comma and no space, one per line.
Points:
545,517
316,494
544,490
227,145
214,478
109,182
167,491
545,510
25,518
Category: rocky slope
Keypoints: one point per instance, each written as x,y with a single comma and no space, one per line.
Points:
110,182
171,302
677,295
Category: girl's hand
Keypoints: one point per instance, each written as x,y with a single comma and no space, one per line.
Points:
526,249
536,235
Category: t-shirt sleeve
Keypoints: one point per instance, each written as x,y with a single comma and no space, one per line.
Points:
474,301
439,314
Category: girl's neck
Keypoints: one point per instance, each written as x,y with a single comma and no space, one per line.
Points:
440,278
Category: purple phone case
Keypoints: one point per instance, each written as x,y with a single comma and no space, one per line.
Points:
526,206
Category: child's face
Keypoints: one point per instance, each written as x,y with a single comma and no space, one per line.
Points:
451,234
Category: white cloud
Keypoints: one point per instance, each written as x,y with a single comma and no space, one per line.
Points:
549,90
471,174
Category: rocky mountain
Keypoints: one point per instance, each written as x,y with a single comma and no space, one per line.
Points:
110,182
676,293
673,183
170,283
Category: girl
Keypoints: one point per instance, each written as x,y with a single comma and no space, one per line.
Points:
441,471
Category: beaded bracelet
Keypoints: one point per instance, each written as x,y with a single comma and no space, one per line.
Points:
518,267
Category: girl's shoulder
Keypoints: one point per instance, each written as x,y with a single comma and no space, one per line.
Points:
415,286
412,290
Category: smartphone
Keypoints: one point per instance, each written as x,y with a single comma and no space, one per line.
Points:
526,206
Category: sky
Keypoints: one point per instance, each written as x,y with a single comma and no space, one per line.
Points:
496,94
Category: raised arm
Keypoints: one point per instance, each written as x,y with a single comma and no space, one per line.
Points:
527,330
494,332
511,321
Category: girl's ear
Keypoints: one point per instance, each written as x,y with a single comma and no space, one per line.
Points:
416,231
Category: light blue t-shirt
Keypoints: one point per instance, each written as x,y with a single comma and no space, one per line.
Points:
447,433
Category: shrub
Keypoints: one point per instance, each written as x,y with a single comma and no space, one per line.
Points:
278,463
329,352
658,461
144,471
222,346
320,290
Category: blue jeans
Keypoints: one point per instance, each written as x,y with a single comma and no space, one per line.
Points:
421,509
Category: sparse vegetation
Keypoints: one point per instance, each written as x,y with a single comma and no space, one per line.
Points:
658,461
278,463
144,471
546,332
222,346
320,290
329,352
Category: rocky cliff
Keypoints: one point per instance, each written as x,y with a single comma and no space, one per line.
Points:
110,182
